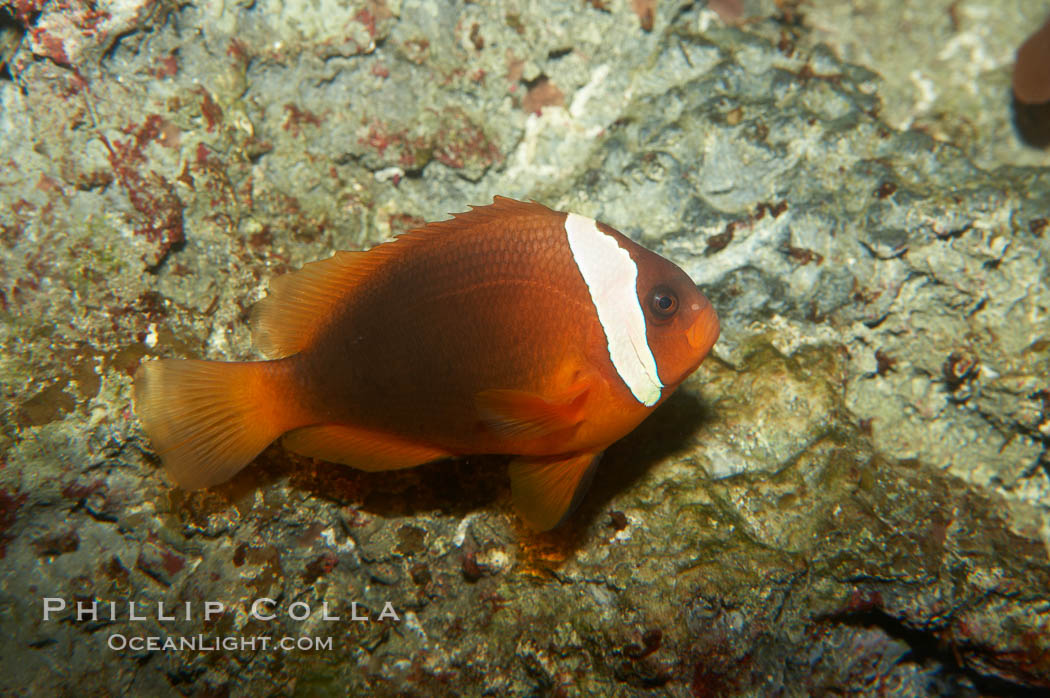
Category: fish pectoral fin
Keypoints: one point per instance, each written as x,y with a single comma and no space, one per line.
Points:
546,490
524,415
360,448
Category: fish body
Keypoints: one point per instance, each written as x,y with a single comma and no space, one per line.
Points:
509,329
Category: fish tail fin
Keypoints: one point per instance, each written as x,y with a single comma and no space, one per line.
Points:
209,419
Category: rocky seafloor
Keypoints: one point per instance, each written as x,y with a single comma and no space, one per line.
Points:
851,495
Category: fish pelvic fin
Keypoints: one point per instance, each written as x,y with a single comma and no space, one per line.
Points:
546,490
209,419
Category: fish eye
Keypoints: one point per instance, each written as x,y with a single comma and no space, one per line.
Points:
663,302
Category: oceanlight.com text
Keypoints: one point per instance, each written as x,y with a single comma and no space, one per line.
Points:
229,643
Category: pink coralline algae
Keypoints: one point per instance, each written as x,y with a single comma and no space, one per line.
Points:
71,33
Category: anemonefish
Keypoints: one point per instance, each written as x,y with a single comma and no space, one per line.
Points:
510,329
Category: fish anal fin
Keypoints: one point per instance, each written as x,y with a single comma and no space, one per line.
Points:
359,448
299,302
546,490
519,414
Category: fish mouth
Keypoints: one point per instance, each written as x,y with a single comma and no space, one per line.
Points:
704,332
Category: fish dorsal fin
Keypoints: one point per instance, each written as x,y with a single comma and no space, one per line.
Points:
501,208
298,304
546,490
286,321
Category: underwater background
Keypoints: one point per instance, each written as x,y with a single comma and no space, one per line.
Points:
852,493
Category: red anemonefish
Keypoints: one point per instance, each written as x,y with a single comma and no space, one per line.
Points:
509,329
